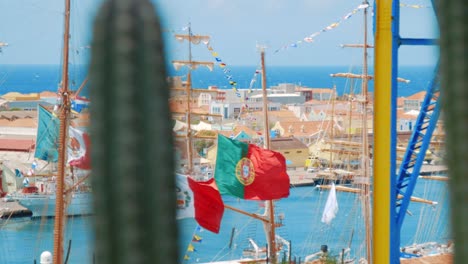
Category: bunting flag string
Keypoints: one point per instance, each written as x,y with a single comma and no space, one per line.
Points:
307,39
226,70
311,37
195,239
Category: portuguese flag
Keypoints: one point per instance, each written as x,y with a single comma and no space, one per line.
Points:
250,172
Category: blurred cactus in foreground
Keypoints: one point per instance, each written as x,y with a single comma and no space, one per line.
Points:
452,21
132,153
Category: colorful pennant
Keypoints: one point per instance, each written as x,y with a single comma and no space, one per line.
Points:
195,239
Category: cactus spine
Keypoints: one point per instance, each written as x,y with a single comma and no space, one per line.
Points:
132,154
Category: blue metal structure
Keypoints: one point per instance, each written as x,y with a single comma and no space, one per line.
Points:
417,147
405,180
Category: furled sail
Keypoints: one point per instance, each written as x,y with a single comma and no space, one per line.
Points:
192,64
195,39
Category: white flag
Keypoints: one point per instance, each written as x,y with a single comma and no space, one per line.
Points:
185,202
331,206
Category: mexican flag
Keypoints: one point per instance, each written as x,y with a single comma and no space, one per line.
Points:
250,172
78,149
200,200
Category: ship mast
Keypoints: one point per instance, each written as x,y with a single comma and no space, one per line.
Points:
271,212
365,161
189,100
192,39
269,219
63,117
365,143
332,128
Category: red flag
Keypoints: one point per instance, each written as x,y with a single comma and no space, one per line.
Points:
209,207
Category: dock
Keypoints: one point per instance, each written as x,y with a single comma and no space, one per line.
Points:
300,178
12,209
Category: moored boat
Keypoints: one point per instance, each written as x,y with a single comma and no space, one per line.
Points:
43,205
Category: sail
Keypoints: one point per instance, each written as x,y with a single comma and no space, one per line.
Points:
47,135
331,206
195,39
192,64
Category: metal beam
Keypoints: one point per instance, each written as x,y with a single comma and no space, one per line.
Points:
383,165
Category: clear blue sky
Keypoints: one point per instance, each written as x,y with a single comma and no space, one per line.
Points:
33,29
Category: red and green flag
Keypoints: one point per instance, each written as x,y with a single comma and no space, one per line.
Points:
250,172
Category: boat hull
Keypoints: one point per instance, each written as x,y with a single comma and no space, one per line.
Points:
43,205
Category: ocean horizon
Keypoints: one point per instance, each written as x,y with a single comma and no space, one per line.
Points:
37,78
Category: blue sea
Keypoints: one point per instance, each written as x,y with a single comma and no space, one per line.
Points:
37,78
22,241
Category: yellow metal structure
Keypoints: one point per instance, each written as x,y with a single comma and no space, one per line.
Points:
382,132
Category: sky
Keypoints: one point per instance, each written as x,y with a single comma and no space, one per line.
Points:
33,29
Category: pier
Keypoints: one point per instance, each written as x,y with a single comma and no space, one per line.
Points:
298,178
11,209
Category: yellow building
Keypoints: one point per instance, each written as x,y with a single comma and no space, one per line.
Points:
294,151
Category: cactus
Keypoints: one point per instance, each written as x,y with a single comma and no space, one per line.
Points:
452,20
132,152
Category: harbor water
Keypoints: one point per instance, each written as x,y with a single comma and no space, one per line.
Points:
23,240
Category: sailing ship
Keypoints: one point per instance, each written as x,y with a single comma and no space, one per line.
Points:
362,182
62,190
276,243
64,148
187,163
39,191
349,151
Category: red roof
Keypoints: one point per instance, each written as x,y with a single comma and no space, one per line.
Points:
25,145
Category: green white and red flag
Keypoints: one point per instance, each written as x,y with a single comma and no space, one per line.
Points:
200,200
250,172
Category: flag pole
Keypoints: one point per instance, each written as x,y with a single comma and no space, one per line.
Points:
266,143
189,99
269,219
